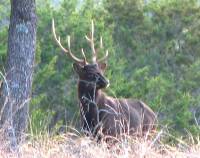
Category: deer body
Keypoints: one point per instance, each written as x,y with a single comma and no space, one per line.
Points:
112,116
99,112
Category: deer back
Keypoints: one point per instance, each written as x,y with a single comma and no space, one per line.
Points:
125,116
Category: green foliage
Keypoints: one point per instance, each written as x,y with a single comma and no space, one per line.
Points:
159,42
153,56
38,121
4,21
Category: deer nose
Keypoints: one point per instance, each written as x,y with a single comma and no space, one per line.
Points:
107,83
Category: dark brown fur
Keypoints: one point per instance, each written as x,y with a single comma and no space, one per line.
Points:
107,115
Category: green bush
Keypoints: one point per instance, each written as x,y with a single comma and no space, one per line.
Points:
153,56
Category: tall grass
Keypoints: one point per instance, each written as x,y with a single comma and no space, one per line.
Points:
74,145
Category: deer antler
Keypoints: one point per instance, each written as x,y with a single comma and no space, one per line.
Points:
94,52
103,58
91,41
101,47
67,51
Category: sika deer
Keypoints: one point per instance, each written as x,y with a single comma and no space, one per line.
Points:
101,113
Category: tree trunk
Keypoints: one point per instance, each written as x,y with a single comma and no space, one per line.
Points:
16,87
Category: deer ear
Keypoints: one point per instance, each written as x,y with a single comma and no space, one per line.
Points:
102,66
78,68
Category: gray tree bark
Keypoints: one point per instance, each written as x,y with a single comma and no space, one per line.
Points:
16,88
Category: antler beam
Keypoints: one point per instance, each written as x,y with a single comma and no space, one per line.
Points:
67,51
94,52
92,45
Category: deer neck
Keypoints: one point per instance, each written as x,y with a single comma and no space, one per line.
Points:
90,92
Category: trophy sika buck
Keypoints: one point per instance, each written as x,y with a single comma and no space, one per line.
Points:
102,114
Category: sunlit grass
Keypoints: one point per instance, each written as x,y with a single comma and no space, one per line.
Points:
75,145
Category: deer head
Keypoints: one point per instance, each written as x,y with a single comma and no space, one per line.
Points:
90,73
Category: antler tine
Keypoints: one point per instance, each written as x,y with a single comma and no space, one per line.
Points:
101,46
72,56
101,42
91,40
84,61
83,53
57,39
104,58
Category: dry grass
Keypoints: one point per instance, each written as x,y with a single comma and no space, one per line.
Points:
73,146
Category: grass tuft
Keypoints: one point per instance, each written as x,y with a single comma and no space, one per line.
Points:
71,145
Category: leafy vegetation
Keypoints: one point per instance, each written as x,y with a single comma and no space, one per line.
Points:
154,56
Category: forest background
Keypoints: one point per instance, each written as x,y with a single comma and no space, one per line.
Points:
154,55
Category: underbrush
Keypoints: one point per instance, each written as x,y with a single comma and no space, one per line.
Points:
74,145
